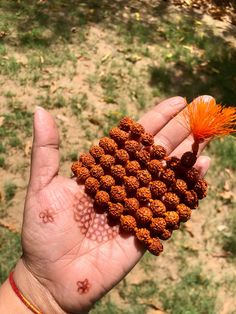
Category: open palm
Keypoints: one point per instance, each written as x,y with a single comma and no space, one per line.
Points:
71,251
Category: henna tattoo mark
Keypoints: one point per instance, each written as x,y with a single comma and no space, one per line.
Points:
94,225
83,286
46,216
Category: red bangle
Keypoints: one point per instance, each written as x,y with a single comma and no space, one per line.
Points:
22,297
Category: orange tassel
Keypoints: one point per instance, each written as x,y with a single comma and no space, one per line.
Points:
206,119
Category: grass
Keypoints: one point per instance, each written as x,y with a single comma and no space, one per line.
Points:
9,67
72,156
225,150
147,262
106,308
228,241
15,142
193,294
10,251
146,289
9,94
18,119
70,57
2,148
9,190
2,161
79,103
113,117
109,84
15,128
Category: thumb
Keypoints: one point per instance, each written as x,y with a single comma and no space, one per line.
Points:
45,150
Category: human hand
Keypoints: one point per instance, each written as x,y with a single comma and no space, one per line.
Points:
71,256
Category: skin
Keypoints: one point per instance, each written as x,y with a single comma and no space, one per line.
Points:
62,270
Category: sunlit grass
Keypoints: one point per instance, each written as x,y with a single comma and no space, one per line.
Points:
193,294
10,251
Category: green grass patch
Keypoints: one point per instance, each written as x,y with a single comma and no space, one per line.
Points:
9,94
15,142
135,293
79,103
10,248
16,127
72,156
138,32
147,263
3,50
193,294
110,86
2,162
9,190
106,307
225,151
18,119
228,240
9,66
34,38
50,102
113,117
2,148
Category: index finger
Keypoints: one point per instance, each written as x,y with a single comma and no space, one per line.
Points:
155,119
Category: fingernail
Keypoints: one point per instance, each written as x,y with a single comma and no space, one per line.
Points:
206,98
38,108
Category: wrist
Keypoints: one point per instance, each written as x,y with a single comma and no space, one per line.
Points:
34,291
9,301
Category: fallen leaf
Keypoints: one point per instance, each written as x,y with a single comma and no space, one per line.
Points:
27,148
227,195
45,85
3,34
189,230
222,228
133,58
94,121
188,2
221,255
227,186
169,55
105,58
215,70
62,118
157,309
47,71
54,89
137,16
41,59
229,172
9,226
190,48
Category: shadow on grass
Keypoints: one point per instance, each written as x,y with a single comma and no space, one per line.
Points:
42,22
192,61
196,62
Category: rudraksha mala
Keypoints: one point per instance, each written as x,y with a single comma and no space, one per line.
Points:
135,183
